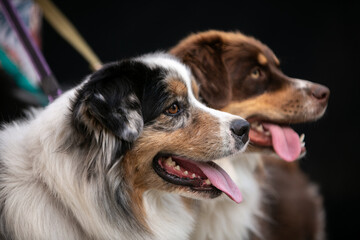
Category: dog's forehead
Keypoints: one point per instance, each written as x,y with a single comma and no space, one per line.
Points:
178,75
176,86
261,51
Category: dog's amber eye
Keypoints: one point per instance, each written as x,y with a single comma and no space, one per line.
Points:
173,109
255,73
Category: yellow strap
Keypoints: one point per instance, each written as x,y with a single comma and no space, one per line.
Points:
64,27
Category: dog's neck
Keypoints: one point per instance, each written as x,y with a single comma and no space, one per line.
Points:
238,220
169,216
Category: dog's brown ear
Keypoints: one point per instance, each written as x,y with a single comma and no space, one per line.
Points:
109,101
207,65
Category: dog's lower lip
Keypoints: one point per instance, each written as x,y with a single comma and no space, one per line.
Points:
178,175
202,176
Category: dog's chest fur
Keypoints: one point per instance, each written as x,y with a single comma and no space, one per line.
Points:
168,216
224,219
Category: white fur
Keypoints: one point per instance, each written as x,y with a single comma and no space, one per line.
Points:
301,84
30,152
167,216
43,197
222,218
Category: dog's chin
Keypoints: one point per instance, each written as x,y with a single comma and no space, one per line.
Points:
183,175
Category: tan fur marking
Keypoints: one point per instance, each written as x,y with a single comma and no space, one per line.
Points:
262,59
198,140
177,87
284,106
136,194
195,88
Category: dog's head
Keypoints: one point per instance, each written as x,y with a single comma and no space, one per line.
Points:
240,75
153,132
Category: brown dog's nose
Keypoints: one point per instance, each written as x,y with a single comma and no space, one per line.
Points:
240,128
320,92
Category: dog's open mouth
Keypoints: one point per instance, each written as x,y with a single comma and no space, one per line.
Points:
283,139
199,176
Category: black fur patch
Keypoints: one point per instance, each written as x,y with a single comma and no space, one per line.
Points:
121,97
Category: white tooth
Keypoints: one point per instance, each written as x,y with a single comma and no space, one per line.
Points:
193,175
302,137
260,128
177,167
267,133
302,144
207,181
186,172
168,161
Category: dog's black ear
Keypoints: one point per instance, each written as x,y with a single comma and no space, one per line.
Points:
207,65
110,101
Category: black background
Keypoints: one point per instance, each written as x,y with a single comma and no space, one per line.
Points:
314,41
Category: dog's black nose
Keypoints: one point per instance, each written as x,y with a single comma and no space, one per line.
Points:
240,128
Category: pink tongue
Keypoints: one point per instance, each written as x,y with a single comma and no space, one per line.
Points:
220,179
285,141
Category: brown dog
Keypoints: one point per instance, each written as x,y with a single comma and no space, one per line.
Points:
240,75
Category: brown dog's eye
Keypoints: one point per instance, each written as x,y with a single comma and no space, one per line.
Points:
173,109
255,73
